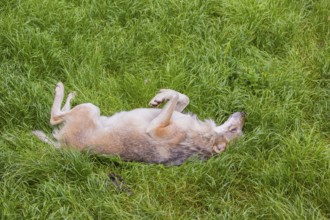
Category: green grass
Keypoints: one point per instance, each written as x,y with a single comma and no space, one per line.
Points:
268,58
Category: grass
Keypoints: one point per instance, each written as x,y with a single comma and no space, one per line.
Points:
268,58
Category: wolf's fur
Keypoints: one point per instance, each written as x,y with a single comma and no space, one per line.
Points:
150,135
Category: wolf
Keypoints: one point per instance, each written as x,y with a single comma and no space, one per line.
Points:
151,135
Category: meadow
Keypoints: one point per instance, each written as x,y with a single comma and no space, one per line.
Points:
268,58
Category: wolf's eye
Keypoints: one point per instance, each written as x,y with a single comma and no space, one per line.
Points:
233,130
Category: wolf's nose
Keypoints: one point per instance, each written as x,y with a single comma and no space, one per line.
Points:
239,114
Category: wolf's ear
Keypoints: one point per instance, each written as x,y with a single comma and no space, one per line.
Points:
220,147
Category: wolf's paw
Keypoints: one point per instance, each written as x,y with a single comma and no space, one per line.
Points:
162,96
59,88
72,95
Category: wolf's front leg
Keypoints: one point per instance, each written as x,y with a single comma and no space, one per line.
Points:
44,138
158,126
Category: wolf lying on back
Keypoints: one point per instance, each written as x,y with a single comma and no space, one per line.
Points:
149,135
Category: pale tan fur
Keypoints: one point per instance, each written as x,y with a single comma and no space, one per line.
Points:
150,135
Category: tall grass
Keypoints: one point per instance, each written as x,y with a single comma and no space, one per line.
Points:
268,58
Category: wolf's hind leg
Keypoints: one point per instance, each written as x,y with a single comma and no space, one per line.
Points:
56,115
67,105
